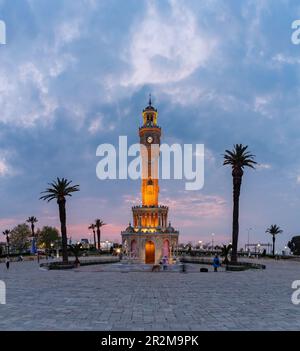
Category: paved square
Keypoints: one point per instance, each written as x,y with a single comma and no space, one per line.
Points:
98,298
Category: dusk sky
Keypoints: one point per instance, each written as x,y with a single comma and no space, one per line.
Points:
76,74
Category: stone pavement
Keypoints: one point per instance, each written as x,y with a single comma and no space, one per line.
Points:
99,298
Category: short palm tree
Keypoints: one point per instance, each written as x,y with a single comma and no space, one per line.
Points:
76,250
93,227
6,233
238,159
274,230
225,253
32,220
98,224
59,190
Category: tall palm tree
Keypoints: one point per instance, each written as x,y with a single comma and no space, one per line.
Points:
274,230
98,224
6,233
238,159
32,220
93,227
59,190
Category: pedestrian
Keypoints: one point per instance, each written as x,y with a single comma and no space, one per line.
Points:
165,263
7,262
216,263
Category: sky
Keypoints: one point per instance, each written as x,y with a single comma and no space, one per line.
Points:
76,74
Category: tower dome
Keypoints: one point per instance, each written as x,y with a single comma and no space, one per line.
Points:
170,229
130,228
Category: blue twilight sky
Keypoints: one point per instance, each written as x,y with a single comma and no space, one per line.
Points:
75,74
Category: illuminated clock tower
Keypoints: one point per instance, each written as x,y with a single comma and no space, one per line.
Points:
150,237
150,134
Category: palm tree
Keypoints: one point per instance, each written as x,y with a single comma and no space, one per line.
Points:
238,159
225,253
274,230
98,224
92,226
76,250
59,190
32,220
6,233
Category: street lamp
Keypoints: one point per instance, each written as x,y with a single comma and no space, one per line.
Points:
212,241
258,248
200,244
248,241
51,245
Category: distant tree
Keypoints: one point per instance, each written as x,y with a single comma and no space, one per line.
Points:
7,233
238,159
274,230
294,245
93,227
46,236
32,220
59,190
19,237
98,224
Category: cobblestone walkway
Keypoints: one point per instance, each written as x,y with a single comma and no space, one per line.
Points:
98,298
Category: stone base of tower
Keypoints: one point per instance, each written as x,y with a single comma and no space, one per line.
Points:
149,246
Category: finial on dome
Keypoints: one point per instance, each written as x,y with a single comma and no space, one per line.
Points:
150,101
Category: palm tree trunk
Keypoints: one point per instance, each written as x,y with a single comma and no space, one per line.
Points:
237,181
273,239
95,239
7,244
64,239
98,237
32,229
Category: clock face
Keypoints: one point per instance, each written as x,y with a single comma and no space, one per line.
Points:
150,139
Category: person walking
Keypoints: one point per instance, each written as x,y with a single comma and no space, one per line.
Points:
7,262
165,263
216,263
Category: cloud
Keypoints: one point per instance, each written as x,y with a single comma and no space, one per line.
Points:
3,168
263,105
166,47
188,205
263,166
96,125
285,59
197,205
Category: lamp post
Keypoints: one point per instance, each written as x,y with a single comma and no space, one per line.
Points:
258,249
51,245
248,241
200,244
212,241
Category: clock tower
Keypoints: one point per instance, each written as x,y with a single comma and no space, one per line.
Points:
150,134
151,236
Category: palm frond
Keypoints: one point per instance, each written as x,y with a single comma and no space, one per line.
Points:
60,188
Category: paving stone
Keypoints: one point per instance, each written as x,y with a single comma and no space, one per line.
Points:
105,299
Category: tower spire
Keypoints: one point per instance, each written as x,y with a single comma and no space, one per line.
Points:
150,101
